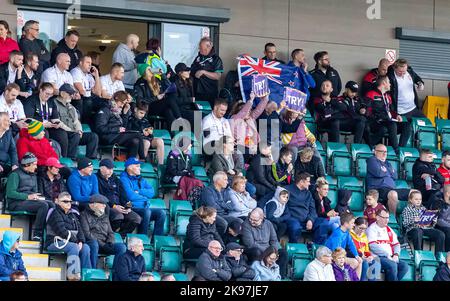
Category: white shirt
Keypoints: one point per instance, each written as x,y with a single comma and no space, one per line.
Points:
217,127
55,76
11,74
15,110
318,271
86,79
406,97
379,239
110,86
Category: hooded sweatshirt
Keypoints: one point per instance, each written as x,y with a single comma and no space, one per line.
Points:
40,148
10,262
344,196
274,210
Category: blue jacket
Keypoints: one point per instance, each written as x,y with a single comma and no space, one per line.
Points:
341,239
138,190
219,200
8,151
82,187
301,204
305,79
378,178
264,273
128,267
10,262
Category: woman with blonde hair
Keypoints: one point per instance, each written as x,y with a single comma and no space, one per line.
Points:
241,200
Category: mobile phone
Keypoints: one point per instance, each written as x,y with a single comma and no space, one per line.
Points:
56,122
28,120
92,70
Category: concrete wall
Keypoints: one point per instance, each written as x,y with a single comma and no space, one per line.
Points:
341,27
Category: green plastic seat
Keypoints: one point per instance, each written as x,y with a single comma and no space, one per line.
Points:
170,259
160,241
181,222
149,257
154,182
356,186
178,205
163,134
442,257
360,153
204,106
109,261
67,162
117,238
299,265
156,204
426,138
410,274
86,128
427,272
407,158
298,249
181,277
424,257
339,159
119,166
148,170
93,275
95,164
145,239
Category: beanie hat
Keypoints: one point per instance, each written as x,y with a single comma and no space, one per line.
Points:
141,68
35,128
28,158
83,163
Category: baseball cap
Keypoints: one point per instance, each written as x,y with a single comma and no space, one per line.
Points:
233,246
98,198
107,163
132,161
53,162
68,89
83,163
180,67
353,86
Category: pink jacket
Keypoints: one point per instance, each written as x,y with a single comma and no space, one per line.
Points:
6,47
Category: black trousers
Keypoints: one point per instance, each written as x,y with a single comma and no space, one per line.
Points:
167,107
134,143
254,254
393,128
38,207
446,231
355,125
66,140
124,223
416,236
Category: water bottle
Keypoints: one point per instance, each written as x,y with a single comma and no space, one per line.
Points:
428,183
30,91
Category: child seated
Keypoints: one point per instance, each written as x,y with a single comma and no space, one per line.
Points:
372,206
137,122
342,271
277,212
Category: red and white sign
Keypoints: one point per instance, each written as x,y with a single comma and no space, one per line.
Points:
391,55
205,32
20,19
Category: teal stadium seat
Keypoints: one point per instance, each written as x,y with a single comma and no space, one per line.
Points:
339,159
360,153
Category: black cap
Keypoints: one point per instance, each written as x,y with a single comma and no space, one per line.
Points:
180,67
83,163
233,246
236,226
68,89
107,163
353,86
98,198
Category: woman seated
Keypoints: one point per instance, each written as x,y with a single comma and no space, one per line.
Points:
111,123
241,200
267,269
201,230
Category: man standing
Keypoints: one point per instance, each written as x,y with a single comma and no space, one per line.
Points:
125,54
323,71
381,176
370,79
31,43
383,242
68,45
206,71
270,53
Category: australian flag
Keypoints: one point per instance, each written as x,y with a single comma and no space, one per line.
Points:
278,76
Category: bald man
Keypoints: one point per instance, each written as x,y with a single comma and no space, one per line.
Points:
68,45
370,78
125,54
58,74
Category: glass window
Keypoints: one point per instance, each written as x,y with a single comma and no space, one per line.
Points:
51,26
180,42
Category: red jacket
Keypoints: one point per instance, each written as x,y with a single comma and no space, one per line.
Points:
445,173
40,148
6,46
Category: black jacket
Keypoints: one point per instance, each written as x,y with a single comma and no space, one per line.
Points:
112,189
25,83
344,196
313,167
32,108
352,106
200,234
184,95
394,85
128,267
59,223
326,205
96,227
142,91
107,124
240,270
319,77
50,189
4,74
75,54
219,163
207,263
442,273
334,109
421,167
135,124
261,174
37,47
178,164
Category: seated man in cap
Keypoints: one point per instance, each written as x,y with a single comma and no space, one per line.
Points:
97,229
22,193
139,192
51,183
123,219
240,270
70,123
82,184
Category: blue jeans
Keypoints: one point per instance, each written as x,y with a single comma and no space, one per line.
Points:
250,188
147,215
71,249
109,249
294,230
374,273
323,226
394,271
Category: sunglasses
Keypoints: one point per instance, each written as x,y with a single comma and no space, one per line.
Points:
66,201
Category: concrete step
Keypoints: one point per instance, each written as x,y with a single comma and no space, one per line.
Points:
47,273
5,220
35,260
30,247
18,230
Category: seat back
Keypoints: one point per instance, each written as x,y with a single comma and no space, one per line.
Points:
170,259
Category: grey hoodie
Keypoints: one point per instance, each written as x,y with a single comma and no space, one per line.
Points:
279,209
125,56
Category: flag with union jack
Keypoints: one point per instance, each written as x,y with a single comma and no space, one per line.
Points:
278,76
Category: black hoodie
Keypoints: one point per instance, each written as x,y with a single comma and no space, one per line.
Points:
75,54
344,196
